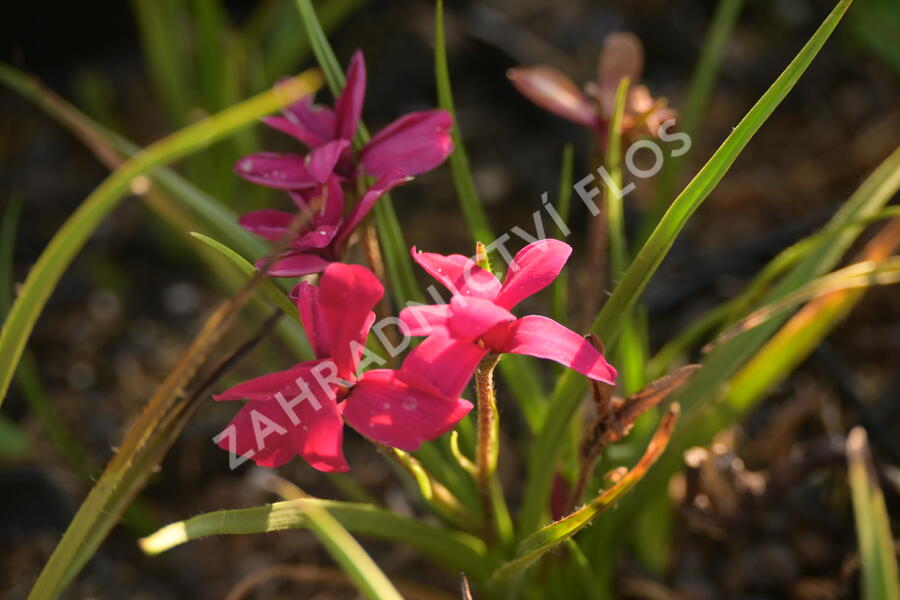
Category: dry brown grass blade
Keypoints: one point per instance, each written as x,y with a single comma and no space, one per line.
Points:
148,439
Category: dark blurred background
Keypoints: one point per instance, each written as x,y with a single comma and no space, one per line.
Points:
127,307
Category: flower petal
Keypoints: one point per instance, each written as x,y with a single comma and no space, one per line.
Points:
281,171
347,295
416,143
265,387
545,338
320,162
383,185
267,224
332,211
295,130
320,237
426,319
348,107
622,56
532,269
319,121
294,264
388,410
306,297
276,431
459,274
553,91
472,317
240,435
442,365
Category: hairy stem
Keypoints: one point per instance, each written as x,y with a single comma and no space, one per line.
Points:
488,449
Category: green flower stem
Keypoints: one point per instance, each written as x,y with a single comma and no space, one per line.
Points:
496,514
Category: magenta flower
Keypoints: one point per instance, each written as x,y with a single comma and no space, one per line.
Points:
478,318
622,56
301,411
323,239
415,143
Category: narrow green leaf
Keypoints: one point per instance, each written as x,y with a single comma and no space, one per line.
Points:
472,209
630,348
162,38
8,228
807,328
559,290
214,59
334,75
451,549
608,323
720,364
853,277
791,344
269,289
136,518
351,557
880,580
102,141
142,450
618,250
728,312
519,378
699,91
74,233
544,540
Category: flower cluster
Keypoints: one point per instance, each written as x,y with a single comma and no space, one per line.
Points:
622,57
328,179
301,411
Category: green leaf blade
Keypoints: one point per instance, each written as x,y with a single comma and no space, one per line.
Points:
75,232
610,320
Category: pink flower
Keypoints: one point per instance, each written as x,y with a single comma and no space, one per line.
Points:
415,143
323,239
478,318
301,411
622,56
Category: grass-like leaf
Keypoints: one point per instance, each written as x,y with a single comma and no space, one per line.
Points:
722,363
880,580
699,91
735,308
78,228
472,209
269,289
542,541
609,322
454,550
180,204
146,443
109,147
560,287
352,558
854,277
806,329
788,347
